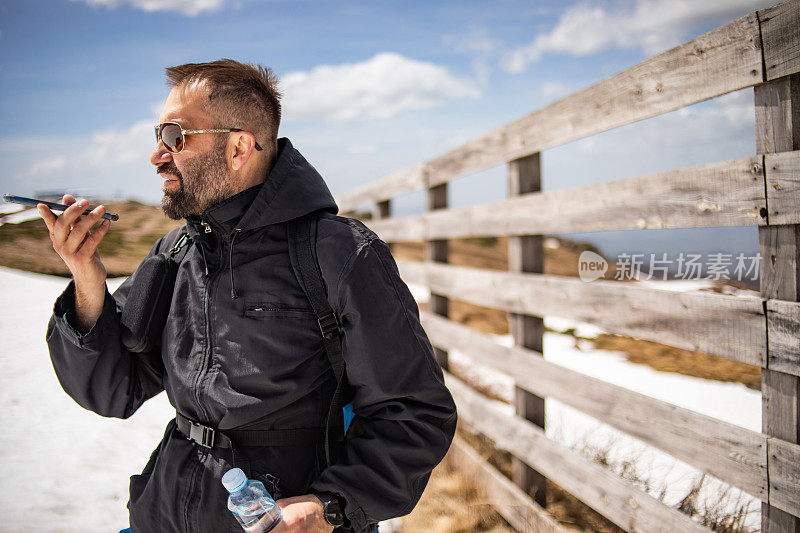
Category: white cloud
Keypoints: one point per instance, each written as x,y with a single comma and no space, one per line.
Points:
102,159
477,44
190,8
380,87
652,26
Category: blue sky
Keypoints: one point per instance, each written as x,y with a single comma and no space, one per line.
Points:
369,87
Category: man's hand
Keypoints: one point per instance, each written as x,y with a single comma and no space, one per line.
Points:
302,514
77,247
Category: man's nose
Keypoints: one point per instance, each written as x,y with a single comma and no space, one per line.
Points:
160,154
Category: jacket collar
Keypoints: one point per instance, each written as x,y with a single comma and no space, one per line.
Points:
292,189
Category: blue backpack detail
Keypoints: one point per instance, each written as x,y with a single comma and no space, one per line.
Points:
347,412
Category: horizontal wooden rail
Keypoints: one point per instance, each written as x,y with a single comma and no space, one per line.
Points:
733,454
509,500
728,193
718,324
721,61
616,499
407,180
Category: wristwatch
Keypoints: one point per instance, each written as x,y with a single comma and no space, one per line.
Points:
334,515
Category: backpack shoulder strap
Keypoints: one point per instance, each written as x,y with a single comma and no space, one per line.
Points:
301,234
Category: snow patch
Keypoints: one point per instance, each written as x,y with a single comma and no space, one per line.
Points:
80,461
421,293
731,402
21,216
10,208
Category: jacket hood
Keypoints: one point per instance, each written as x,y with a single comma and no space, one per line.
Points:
292,189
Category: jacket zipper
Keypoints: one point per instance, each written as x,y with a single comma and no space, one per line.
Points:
190,490
206,353
201,372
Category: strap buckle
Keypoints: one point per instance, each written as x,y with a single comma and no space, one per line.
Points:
183,240
202,435
329,325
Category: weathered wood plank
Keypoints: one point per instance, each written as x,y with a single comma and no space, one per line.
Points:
779,247
783,332
783,187
383,210
436,251
630,508
728,193
404,181
526,254
509,500
780,32
778,130
724,325
731,453
776,117
784,482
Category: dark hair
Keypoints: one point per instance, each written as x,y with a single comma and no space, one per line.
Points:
240,95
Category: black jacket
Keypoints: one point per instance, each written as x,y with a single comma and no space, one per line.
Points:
257,361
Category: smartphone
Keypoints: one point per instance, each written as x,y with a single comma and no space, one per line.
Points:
51,205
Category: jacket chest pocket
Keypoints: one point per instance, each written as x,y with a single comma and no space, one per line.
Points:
286,331
271,310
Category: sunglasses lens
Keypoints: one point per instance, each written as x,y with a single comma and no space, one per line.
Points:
172,137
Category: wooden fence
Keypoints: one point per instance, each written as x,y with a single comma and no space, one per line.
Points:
760,50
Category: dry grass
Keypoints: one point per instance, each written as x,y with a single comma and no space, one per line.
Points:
689,363
452,502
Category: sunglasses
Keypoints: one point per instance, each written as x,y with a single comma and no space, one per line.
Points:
173,136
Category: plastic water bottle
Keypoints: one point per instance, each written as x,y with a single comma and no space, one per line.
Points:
250,502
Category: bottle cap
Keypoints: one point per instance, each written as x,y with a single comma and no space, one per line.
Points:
234,480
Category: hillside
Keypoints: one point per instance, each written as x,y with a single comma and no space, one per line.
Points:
26,245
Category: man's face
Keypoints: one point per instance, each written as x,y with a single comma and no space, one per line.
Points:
197,177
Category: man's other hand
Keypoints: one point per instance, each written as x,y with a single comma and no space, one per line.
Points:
302,514
77,246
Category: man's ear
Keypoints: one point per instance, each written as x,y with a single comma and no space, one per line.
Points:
242,148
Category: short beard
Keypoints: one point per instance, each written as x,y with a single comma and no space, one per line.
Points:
206,183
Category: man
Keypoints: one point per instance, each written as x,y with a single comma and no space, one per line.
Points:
241,349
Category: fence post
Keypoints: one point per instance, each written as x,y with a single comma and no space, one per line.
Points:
526,254
777,105
436,251
384,210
